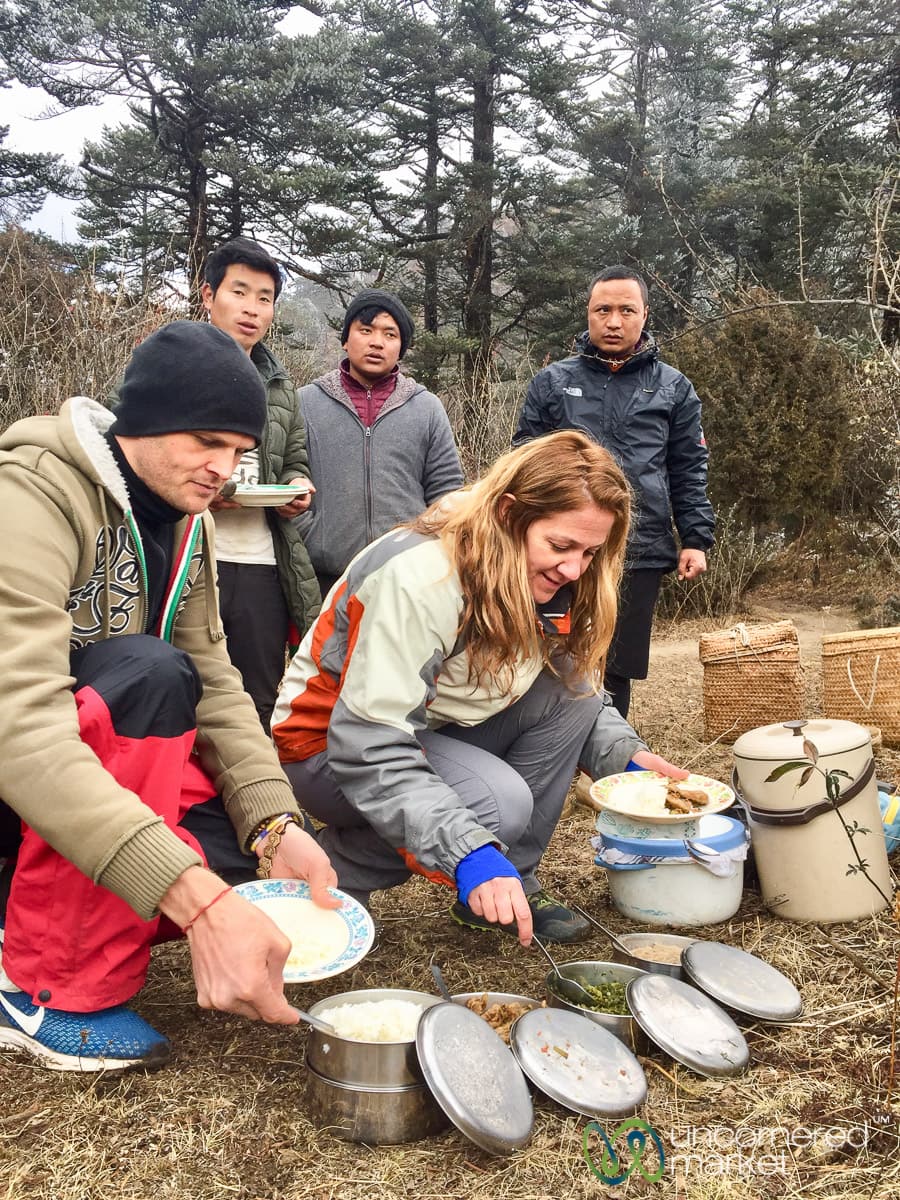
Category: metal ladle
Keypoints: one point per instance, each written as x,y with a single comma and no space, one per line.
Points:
322,1026
570,989
614,938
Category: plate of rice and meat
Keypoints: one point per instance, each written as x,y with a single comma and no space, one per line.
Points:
324,941
649,796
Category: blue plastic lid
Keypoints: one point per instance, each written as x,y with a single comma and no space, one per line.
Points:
716,831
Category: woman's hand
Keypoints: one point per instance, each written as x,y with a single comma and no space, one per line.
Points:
300,856
503,900
653,762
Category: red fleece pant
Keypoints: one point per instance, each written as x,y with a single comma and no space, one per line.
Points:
68,942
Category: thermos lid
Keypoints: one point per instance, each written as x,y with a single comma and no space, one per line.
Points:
741,981
784,741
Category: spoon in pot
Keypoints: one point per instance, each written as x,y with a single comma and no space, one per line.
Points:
569,989
441,982
322,1026
614,938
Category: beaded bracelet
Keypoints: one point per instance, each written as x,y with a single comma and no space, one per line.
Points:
206,907
270,825
273,841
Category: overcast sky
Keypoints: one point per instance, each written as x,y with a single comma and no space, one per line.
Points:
31,129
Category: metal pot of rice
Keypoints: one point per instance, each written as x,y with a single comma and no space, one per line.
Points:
364,1082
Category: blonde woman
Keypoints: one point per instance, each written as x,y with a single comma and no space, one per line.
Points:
437,711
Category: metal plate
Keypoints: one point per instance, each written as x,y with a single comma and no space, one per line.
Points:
581,1065
688,1025
474,1078
743,982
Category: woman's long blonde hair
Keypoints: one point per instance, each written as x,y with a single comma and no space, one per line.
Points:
484,535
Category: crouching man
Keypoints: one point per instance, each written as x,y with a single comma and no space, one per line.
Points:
136,782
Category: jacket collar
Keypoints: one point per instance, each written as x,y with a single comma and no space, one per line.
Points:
647,352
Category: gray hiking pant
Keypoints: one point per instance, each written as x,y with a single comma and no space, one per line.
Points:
512,771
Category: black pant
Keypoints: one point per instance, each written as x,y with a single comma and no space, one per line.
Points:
256,620
629,652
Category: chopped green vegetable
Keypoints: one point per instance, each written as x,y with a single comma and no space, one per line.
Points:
608,997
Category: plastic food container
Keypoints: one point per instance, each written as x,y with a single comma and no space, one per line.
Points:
663,881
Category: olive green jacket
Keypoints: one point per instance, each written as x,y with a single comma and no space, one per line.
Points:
282,457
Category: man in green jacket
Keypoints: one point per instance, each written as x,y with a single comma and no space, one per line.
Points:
266,580
135,782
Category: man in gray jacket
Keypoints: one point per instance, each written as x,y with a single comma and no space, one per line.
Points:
380,445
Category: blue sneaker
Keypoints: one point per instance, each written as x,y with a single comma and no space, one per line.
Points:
113,1039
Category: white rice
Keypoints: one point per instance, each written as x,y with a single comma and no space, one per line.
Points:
374,1020
644,799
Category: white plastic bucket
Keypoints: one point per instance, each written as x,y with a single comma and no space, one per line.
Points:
807,864
668,885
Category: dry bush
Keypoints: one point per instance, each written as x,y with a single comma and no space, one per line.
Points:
737,561
62,332
484,415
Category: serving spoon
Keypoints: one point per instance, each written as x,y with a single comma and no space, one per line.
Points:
441,982
316,1022
614,938
569,989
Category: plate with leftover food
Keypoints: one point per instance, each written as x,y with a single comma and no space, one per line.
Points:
324,941
649,796
265,495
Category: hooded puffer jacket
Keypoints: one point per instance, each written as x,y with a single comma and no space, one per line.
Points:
648,416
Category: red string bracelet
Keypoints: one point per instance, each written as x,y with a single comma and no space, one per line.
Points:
205,908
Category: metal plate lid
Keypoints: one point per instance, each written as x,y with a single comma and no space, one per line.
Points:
687,1024
743,982
474,1078
578,1063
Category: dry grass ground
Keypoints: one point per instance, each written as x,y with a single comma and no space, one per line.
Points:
811,1118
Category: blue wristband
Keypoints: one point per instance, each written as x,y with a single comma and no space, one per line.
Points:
478,867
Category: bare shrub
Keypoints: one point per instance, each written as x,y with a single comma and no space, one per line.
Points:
739,557
484,417
62,332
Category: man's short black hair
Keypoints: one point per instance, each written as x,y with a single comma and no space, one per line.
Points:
245,252
620,272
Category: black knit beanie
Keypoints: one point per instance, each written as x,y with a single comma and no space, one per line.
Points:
189,375
382,302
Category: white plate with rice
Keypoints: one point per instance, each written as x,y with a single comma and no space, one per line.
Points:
324,941
642,795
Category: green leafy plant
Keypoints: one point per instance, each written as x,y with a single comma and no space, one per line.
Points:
832,776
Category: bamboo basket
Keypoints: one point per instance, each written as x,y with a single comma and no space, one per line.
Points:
861,679
752,676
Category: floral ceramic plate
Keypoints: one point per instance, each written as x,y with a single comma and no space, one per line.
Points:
266,495
641,796
324,941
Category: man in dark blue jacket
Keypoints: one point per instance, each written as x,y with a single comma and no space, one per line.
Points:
647,414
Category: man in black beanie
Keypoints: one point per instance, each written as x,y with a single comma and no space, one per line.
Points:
137,785
380,445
